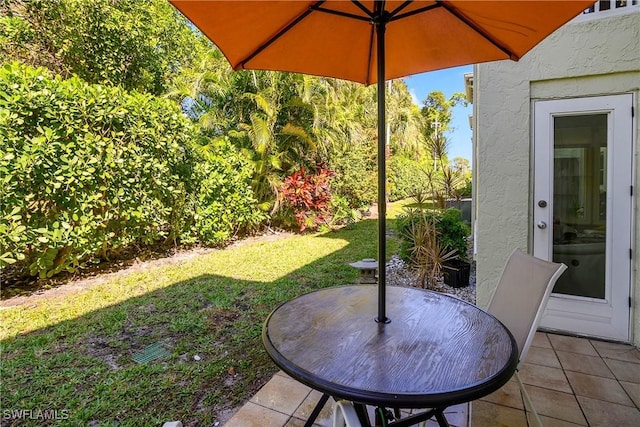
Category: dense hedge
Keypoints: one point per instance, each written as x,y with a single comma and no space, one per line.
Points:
224,203
88,170
406,178
355,177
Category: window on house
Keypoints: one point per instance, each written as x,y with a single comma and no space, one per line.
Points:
609,5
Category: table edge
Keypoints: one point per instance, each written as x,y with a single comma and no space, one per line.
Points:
439,400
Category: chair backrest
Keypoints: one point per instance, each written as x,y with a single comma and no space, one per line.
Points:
522,294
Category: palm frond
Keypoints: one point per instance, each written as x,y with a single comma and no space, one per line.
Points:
261,134
300,134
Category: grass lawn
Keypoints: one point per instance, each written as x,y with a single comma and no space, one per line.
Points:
75,353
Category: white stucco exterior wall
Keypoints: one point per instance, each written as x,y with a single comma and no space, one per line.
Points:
583,58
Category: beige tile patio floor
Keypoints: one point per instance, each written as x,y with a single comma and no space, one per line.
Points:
571,381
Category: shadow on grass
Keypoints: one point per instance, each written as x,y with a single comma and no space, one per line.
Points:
83,372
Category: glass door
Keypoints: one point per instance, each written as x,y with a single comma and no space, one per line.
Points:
582,211
580,203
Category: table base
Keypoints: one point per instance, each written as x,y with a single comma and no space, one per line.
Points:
361,411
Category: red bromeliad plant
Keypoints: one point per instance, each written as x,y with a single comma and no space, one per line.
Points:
309,196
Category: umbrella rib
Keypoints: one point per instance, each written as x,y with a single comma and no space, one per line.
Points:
479,30
378,7
339,13
370,57
280,33
399,8
414,12
363,8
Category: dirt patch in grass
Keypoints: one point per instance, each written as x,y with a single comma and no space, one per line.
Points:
118,351
101,349
220,318
266,237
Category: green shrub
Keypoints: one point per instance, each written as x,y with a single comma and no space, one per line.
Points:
453,231
467,190
138,45
342,213
356,178
87,171
406,178
224,202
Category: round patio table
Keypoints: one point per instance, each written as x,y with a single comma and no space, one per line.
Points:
436,351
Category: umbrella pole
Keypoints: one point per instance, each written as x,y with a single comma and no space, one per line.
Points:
380,25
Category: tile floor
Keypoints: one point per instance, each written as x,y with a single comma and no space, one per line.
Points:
571,381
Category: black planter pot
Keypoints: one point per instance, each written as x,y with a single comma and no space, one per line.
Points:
456,273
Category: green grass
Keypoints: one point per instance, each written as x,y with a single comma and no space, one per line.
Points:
74,353
394,209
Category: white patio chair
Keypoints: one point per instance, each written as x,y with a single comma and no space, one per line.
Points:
344,414
519,301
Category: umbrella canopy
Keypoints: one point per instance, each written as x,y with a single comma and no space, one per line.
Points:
372,41
337,38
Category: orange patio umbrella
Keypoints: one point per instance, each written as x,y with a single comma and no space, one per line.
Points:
373,41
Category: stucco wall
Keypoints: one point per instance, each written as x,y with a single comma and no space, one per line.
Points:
596,57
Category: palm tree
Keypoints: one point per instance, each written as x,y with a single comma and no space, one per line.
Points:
271,137
201,89
404,120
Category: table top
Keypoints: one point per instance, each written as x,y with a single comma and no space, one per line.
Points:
437,350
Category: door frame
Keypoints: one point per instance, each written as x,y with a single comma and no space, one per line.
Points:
581,315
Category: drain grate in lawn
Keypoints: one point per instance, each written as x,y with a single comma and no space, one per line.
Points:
152,352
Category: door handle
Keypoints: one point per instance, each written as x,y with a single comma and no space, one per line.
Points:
542,225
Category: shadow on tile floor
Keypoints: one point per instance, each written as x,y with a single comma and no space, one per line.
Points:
571,381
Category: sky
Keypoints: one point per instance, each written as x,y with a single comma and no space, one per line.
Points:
447,81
